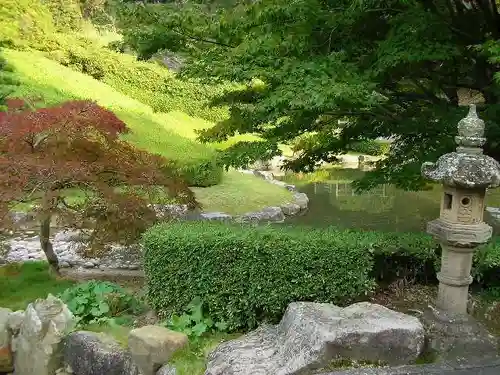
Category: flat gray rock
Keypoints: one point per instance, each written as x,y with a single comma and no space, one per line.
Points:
167,370
89,353
312,335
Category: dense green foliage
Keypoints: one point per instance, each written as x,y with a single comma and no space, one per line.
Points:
98,301
146,82
194,322
370,147
247,275
384,68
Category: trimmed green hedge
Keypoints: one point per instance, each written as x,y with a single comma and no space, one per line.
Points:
247,275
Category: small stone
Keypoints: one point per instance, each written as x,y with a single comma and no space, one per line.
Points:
14,321
302,200
152,346
88,265
133,267
215,216
64,264
167,370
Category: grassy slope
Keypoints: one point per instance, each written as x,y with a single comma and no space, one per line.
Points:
169,134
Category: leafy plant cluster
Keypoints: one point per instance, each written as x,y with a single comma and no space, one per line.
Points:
249,275
194,322
98,302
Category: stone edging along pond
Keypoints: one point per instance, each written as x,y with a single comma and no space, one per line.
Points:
26,246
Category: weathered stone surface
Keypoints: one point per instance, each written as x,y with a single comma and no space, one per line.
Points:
89,353
268,214
5,351
215,216
464,170
468,167
482,367
290,209
264,175
37,347
311,335
458,337
152,346
167,370
14,321
302,200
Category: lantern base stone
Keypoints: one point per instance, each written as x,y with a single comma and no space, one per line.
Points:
453,337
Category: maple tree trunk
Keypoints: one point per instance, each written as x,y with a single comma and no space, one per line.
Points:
46,245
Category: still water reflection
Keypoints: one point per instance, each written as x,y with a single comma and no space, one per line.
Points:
383,208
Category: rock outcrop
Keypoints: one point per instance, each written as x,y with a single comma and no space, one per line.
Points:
37,346
312,335
89,353
152,346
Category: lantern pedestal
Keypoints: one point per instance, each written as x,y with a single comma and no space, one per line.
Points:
465,176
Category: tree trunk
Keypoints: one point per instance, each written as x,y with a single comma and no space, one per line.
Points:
45,243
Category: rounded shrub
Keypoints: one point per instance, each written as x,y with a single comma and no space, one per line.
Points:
202,173
370,147
247,275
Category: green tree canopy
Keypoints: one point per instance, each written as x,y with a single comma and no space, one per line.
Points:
385,68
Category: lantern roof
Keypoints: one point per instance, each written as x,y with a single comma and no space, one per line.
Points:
467,167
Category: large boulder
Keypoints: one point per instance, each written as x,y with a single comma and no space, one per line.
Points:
302,200
38,345
89,353
290,209
312,335
6,361
152,346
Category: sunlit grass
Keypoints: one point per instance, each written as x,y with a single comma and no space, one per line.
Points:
233,194
23,283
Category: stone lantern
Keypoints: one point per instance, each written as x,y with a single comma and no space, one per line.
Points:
465,175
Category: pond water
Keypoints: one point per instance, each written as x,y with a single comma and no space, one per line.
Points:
334,202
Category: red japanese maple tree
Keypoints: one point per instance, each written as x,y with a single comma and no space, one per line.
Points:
77,145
